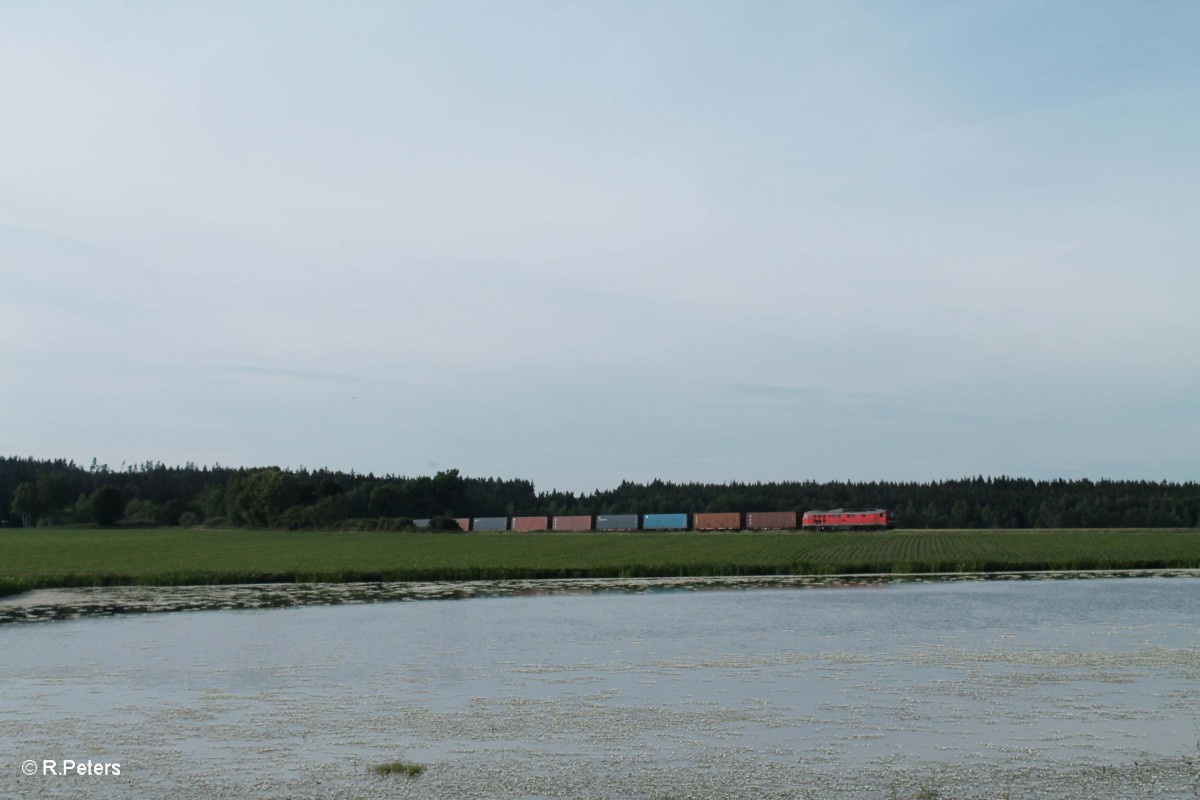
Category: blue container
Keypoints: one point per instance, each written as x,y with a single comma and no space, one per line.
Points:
664,522
422,523
617,522
489,524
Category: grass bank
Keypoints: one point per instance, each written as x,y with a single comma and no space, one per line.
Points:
62,557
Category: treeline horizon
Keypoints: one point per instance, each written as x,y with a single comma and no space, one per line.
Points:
61,492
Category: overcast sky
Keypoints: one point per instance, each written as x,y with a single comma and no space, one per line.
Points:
593,241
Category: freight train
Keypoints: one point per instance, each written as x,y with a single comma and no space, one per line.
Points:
838,519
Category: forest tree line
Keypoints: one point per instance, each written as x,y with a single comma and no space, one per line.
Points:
59,492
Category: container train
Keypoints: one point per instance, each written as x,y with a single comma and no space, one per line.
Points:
837,519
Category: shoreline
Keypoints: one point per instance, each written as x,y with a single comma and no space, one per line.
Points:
67,603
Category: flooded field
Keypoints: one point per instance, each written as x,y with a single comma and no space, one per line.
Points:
780,688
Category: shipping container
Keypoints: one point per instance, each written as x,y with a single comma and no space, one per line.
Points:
464,523
617,522
489,523
771,520
530,523
664,522
724,521
422,523
573,523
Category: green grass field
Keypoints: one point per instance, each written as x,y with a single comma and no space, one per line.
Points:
40,558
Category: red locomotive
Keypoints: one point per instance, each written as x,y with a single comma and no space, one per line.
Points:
847,519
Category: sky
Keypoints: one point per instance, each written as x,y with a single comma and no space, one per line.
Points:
587,242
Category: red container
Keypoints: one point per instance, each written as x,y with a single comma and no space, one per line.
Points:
730,521
576,523
464,523
530,523
771,520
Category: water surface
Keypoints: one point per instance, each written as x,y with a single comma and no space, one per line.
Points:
970,689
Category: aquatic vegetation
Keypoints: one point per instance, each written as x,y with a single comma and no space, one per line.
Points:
405,768
92,601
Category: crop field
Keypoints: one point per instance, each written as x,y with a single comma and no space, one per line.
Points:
58,557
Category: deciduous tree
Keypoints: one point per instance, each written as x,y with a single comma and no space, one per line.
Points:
27,503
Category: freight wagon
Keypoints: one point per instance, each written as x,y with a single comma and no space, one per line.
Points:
848,519
771,521
576,522
617,522
664,522
721,522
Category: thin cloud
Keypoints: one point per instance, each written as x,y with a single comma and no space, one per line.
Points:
312,375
